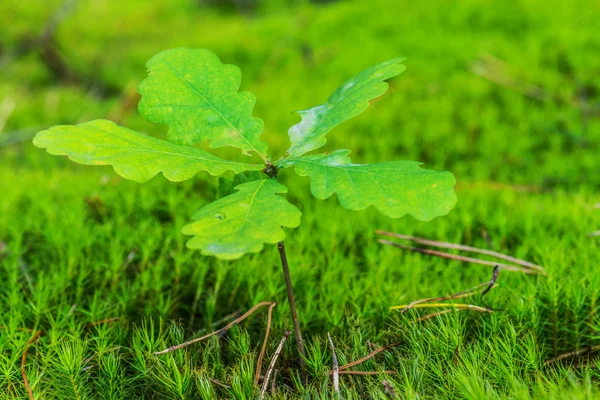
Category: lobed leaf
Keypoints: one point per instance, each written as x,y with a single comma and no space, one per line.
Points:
197,96
349,100
133,155
242,222
395,188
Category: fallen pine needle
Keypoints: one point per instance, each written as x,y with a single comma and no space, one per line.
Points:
264,345
462,247
435,314
219,383
462,258
482,288
24,362
586,350
367,372
102,321
368,356
224,329
265,384
437,305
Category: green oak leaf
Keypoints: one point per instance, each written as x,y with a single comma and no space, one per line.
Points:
242,222
133,155
227,185
349,100
395,188
197,96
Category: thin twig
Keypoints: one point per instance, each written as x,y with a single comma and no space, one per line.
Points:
590,349
368,356
593,234
462,247
336,368
264,345
272,364
461,258
24,362
225,328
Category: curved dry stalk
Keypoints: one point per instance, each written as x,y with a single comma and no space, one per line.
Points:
24,362
367,372
462,258
272,364
225,328
368,356
460,295
482,288
436,305
435,314
463,247
264,345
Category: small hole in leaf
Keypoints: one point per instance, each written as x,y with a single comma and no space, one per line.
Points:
220,216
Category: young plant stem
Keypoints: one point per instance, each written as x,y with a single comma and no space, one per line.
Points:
292,302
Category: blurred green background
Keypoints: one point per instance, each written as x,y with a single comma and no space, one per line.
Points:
506,95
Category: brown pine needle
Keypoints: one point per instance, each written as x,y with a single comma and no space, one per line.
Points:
452,305
219,383
336,369
264,345
460,295
590,349
368,356
462,247
265,384
482,288
462,258
24,362
367,372
224,329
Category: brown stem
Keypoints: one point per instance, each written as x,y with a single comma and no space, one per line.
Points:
292,302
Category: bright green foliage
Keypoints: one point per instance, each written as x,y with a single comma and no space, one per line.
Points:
133,155
395,188
241,222
349,100
196,95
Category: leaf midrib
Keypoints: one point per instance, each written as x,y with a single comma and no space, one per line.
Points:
193,88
